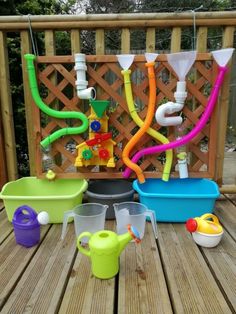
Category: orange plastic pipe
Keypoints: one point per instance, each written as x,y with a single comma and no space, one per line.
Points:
147,122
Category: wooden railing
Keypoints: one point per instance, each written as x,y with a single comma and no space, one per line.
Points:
150,23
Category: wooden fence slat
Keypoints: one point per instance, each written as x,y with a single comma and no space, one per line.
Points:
228,41
202,39
75,41
100,42
6,110
175,44
150,39
125,40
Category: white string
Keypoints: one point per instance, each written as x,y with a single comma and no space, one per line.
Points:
194,26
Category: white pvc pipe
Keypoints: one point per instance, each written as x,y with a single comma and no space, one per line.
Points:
81,84
171,107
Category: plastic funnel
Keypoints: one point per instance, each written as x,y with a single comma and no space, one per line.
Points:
125,61
150,57
181,62
222,56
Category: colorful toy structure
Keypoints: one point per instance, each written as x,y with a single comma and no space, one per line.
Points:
98,149
221,57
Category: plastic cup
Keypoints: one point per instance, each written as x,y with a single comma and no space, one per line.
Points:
88,217
135,214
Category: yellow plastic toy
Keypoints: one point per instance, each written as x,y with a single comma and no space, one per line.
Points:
205,232
98,150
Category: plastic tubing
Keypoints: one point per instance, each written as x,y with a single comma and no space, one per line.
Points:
51,112
188,137
158,136
144,126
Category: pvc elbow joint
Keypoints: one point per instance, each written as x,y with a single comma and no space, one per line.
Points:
168,108
88,93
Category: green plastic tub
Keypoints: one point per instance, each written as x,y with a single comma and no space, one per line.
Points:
54,197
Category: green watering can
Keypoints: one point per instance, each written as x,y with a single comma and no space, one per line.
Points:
105,248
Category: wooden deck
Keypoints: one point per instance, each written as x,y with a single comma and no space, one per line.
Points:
173,275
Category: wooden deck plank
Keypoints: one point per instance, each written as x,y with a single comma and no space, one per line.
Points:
232,198
142,286
41,287
191,284
225,210
5,226
84,292
13,260
222,259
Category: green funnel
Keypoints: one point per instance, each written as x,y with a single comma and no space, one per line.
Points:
99,106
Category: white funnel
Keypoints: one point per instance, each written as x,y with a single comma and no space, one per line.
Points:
181,62
150,57
222,56
125,61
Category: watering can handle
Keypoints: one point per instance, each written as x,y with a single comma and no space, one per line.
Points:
80,247
213,217
67,215
30,212
152,215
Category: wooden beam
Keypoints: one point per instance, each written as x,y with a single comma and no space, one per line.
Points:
6,110
228,189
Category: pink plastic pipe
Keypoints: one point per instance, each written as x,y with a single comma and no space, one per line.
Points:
188,137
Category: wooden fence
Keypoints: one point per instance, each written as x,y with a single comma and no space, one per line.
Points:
125,23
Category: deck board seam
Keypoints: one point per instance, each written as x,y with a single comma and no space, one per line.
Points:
221,288
165,275
66,282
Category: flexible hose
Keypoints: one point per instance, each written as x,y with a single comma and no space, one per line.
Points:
158,136
52,112
188,137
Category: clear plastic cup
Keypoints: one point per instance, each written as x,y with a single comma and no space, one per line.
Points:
135,214
87,217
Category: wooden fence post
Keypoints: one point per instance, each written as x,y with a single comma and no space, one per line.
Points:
228,41
6,110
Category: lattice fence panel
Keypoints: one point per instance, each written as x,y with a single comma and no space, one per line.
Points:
104,72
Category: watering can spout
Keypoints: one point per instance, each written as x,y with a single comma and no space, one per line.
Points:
125,238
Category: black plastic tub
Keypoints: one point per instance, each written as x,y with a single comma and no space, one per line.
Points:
108,192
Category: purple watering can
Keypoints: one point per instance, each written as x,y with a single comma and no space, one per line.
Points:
26,225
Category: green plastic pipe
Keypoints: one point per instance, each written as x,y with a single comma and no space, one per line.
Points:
52,112
158,136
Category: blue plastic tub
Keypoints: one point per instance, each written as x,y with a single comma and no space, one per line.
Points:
178,199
